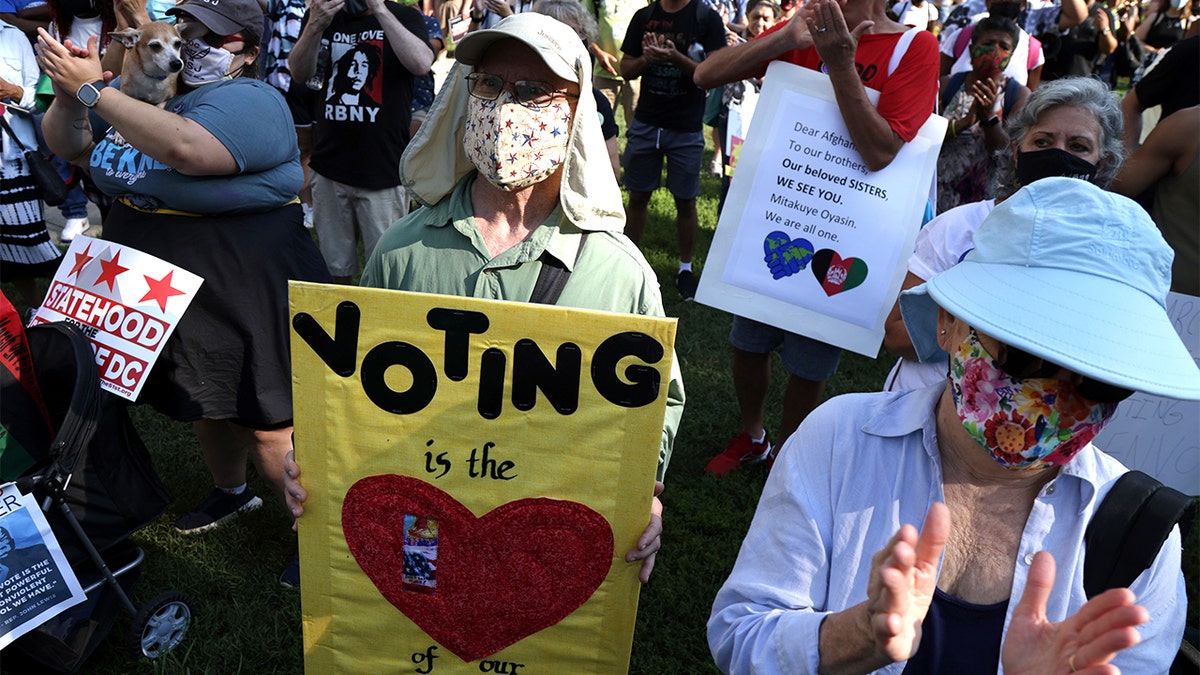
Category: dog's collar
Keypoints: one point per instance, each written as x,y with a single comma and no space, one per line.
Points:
160,79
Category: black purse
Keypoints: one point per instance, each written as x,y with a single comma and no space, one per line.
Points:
51,188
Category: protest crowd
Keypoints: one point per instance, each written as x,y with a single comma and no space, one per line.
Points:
936,525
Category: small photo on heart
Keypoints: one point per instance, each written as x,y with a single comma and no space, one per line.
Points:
420,553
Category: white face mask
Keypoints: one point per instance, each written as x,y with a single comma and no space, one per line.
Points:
203,64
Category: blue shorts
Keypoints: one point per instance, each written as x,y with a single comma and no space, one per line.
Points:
803,357
645,147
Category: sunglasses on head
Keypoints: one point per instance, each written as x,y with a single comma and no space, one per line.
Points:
1021,365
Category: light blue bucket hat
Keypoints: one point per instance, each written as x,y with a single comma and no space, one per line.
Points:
1073,274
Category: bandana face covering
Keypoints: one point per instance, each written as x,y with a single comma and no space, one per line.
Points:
1031,423
203,64
1035,165
514,146
988,60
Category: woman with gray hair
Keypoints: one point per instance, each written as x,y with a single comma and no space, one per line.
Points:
573,14
1083,99
1069,127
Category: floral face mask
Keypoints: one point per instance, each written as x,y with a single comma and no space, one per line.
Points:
1023,423
515,146
989,60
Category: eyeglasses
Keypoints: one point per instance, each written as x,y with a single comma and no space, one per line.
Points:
529,93
1021,365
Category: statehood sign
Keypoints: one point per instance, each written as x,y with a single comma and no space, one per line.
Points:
810,240
36,581
125,301
476,472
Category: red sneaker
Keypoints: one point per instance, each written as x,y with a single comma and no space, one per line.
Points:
740,451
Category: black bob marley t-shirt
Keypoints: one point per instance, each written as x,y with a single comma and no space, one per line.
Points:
364,109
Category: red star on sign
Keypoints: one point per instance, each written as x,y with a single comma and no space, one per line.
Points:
160,290
81,261
109,269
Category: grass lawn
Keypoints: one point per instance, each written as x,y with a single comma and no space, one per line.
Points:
246,623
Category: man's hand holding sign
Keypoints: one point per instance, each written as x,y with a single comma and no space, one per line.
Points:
482,478
484,468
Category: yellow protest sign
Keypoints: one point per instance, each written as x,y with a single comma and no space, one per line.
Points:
476,472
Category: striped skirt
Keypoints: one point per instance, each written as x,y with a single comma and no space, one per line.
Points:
25,246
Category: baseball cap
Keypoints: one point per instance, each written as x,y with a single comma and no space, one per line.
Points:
1073,274
225,17
555,42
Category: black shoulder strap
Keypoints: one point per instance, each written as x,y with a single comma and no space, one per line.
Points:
553,277
1128,530
955,83
702,12
8,130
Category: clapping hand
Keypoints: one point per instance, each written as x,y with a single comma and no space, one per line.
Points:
836,43
1082,643
658,49
903,579
68,66
985,90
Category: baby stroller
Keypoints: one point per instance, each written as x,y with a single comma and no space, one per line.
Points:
96,485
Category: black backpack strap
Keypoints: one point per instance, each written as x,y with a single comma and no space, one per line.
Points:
1128,530
702,12
1012,91
956,82
553,277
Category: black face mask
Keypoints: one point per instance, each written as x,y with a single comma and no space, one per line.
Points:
355,8
1008,10
1035,165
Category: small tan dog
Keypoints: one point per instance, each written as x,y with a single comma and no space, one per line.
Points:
151,67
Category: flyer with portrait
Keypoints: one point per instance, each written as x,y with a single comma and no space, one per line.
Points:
476,472
810,240
125,301
36,581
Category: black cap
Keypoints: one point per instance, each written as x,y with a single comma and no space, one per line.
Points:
225,17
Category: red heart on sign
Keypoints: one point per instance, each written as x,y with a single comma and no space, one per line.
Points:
521,568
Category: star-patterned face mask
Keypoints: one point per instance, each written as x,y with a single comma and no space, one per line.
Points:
514,146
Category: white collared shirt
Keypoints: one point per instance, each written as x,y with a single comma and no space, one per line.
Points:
859,467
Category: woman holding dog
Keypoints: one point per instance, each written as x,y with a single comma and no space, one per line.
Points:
208,182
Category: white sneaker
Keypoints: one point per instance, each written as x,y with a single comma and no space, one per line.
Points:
308,215
72,228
